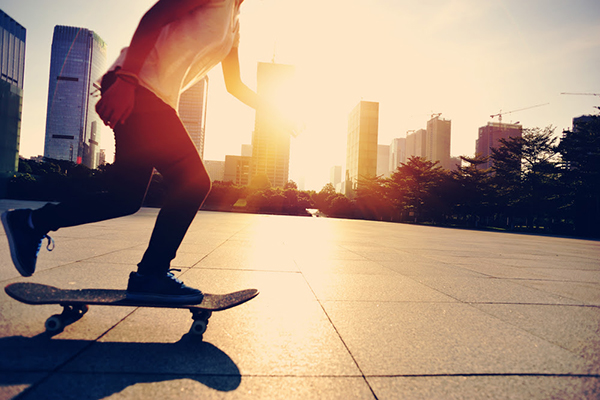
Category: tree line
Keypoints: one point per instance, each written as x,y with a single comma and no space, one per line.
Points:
537,183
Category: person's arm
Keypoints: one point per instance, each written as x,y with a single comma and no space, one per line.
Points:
161,14
233,80
117,103
235,86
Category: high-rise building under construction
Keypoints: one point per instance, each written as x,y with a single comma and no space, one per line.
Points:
489,138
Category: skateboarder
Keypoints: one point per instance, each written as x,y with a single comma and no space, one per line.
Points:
174,46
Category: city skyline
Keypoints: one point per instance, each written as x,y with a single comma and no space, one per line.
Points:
463,58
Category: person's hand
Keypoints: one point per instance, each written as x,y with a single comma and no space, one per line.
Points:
116,103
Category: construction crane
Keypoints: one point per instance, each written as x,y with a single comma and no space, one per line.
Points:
500,114
583,94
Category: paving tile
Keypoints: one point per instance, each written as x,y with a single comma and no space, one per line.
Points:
137,386
73,250
373,252
495,269
364,267
251,256
554,257
274,287
14,383
581,292
418,266
573,275
24,354
311,253
493,290
574,328
443,338
381,288
82,275
486,387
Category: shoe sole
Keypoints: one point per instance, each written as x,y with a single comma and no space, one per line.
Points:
165,298
12,246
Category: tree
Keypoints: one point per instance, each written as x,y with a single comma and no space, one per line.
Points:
413,186
526,175
322,199
580,153
260,182
372,199
290,185
471,195
223,196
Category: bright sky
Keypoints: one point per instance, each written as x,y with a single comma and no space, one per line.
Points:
466,59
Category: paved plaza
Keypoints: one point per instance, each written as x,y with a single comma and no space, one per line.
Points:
347,310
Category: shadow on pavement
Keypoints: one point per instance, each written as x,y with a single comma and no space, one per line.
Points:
80,369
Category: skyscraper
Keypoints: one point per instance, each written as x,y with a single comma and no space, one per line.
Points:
397,153
270,140
335,175
237,170
490,135
215,169
416,144
77,62
12,71
438,141
361,151
383,160
192,111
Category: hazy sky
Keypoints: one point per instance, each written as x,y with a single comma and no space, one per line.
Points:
466,59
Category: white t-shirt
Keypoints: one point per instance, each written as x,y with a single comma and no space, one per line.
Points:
188,48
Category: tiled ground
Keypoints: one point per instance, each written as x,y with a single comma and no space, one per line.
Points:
348,309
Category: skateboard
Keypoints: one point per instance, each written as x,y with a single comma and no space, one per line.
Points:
75,303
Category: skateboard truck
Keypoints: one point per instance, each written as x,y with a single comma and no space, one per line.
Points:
71,313
200,323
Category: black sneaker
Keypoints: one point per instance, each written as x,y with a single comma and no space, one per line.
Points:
163,289
24,242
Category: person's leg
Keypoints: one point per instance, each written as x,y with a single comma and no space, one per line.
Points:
129,182
125,195
187,184
176,158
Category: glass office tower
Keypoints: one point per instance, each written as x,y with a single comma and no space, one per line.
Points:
12,71
77,62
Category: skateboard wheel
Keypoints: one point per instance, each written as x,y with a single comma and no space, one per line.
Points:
198,327
54,324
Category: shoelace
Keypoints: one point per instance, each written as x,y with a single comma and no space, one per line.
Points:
173,277
50,245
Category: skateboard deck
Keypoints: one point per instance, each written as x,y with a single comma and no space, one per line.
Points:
75,302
